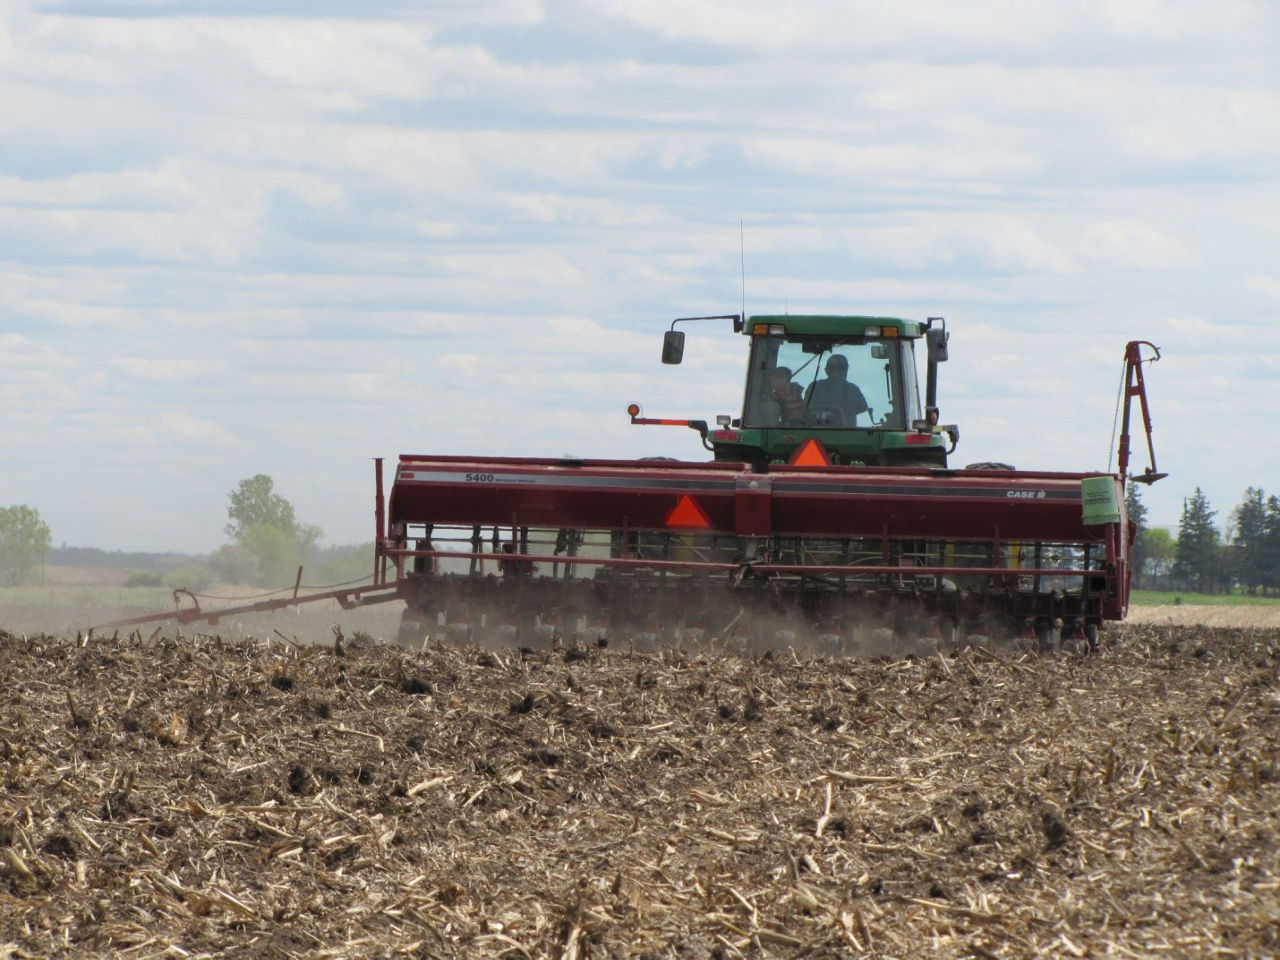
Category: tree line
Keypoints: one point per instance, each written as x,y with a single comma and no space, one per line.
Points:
268,545
24,544
1242,555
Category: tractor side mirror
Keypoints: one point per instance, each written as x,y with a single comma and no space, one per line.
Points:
673,346
937,341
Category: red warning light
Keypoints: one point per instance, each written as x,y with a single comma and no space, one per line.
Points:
687,513
811,453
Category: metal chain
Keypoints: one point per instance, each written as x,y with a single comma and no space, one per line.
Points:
1115,417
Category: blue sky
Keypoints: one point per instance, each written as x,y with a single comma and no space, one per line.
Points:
286,238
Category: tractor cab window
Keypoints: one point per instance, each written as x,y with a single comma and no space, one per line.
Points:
836,382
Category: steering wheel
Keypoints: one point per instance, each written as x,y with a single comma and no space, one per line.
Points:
826,416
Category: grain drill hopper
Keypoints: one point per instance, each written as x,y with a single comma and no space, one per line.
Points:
828,514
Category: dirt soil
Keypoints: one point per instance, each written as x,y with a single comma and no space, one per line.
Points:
202,796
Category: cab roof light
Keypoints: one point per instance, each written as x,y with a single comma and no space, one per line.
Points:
769,330
888,331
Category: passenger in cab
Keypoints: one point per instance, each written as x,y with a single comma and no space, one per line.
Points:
787,395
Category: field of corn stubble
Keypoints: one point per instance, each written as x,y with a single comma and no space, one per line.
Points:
197,795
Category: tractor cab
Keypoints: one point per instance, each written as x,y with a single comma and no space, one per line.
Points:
830,382
848,382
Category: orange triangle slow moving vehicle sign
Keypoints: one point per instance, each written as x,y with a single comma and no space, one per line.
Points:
811,453
687,513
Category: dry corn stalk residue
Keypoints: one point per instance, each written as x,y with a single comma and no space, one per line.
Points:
200,796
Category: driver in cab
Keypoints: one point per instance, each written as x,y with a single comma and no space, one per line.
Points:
835,392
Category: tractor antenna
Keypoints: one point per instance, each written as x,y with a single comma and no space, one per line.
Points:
742,263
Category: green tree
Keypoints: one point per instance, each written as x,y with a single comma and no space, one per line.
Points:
234,563
1158,551
264,524
1249,540
1197,558
254,504
1269,554
24,543
1137,511
340,564
277,553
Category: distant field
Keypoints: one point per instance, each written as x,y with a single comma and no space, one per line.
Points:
1206,610
85,576
66,608
1161,598
73,599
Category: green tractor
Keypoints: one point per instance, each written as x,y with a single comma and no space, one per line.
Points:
848,383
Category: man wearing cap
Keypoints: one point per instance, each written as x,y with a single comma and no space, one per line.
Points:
836,392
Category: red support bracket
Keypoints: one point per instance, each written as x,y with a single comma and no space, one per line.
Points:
1134,386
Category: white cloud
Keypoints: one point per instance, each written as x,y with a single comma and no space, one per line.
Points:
892,161
1129,243
466,366
1267,286
817,25
183,428
229,243
369,386
165,369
